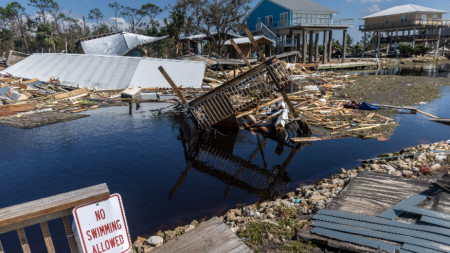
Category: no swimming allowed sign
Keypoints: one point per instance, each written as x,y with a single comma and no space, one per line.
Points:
102,226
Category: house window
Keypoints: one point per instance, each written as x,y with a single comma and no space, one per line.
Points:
424,17
387,21
435,17
268,20
404,18
258,20
284,19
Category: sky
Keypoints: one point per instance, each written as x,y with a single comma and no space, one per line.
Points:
354,9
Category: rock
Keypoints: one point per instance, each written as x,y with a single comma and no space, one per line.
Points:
270,222
375,167
169,234
389,168
319,205
189,228
155,240
440,157
397,173
343,171
338,182
422,159
194,223
324,186
270,216
179,230
231,216
436,166
431,156
405,167
304,210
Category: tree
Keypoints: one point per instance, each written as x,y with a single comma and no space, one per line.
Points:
405,49
14,13
214,17
116,7
95,14
136,17
175,26
421,49
45,7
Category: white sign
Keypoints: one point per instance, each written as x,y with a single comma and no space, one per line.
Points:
102,226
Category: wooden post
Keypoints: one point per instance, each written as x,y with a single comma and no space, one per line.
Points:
23,240
1,248
298,42
47,237
311,38
174,87
254,44
130,107
364,44
324,59
239,51
138,104
316,54
344,45
70,236
330,44
223,71
304,47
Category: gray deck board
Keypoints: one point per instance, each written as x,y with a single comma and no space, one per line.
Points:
210,236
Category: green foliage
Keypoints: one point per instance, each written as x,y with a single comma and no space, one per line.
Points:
421,49
405,49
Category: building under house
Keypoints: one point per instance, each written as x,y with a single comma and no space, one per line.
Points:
286,21
405,23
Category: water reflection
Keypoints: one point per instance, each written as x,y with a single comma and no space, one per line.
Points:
419,69
212,154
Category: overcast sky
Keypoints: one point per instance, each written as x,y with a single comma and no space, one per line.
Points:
347,8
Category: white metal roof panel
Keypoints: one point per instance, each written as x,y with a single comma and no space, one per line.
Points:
107,72
183,73
111,45
246,40
402,9
116,44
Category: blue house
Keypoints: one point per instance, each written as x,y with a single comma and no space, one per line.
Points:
286,20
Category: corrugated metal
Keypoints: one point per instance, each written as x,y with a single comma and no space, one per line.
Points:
402,9
246,40
108,72
116,44
185,73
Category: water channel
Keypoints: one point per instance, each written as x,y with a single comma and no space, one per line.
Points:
167,180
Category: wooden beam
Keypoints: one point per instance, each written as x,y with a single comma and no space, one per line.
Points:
70,236
1,248
325,38
316,45
47,237
254,44
23,240
344,44
37,211
173,85
223,71
304,46
239,51
311,38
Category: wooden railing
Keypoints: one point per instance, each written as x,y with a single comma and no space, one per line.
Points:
42,210
406,24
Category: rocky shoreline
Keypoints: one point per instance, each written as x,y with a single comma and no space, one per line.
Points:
272,225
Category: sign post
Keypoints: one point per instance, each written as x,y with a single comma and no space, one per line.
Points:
102,226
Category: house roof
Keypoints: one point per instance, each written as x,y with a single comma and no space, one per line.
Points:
116,44
403,9
246,40
202,36
108,72
304,6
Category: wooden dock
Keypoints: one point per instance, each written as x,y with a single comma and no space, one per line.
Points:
348,65
210,236
371,194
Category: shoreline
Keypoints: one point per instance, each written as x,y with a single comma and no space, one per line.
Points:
273,224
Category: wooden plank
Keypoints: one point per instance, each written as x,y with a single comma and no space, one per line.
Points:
172,84
74,93
23,240
70,236
53,207
47,237
1,248
371,193
254,44
210,236
429,115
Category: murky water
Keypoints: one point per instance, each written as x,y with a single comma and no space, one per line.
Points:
417,69
166,180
